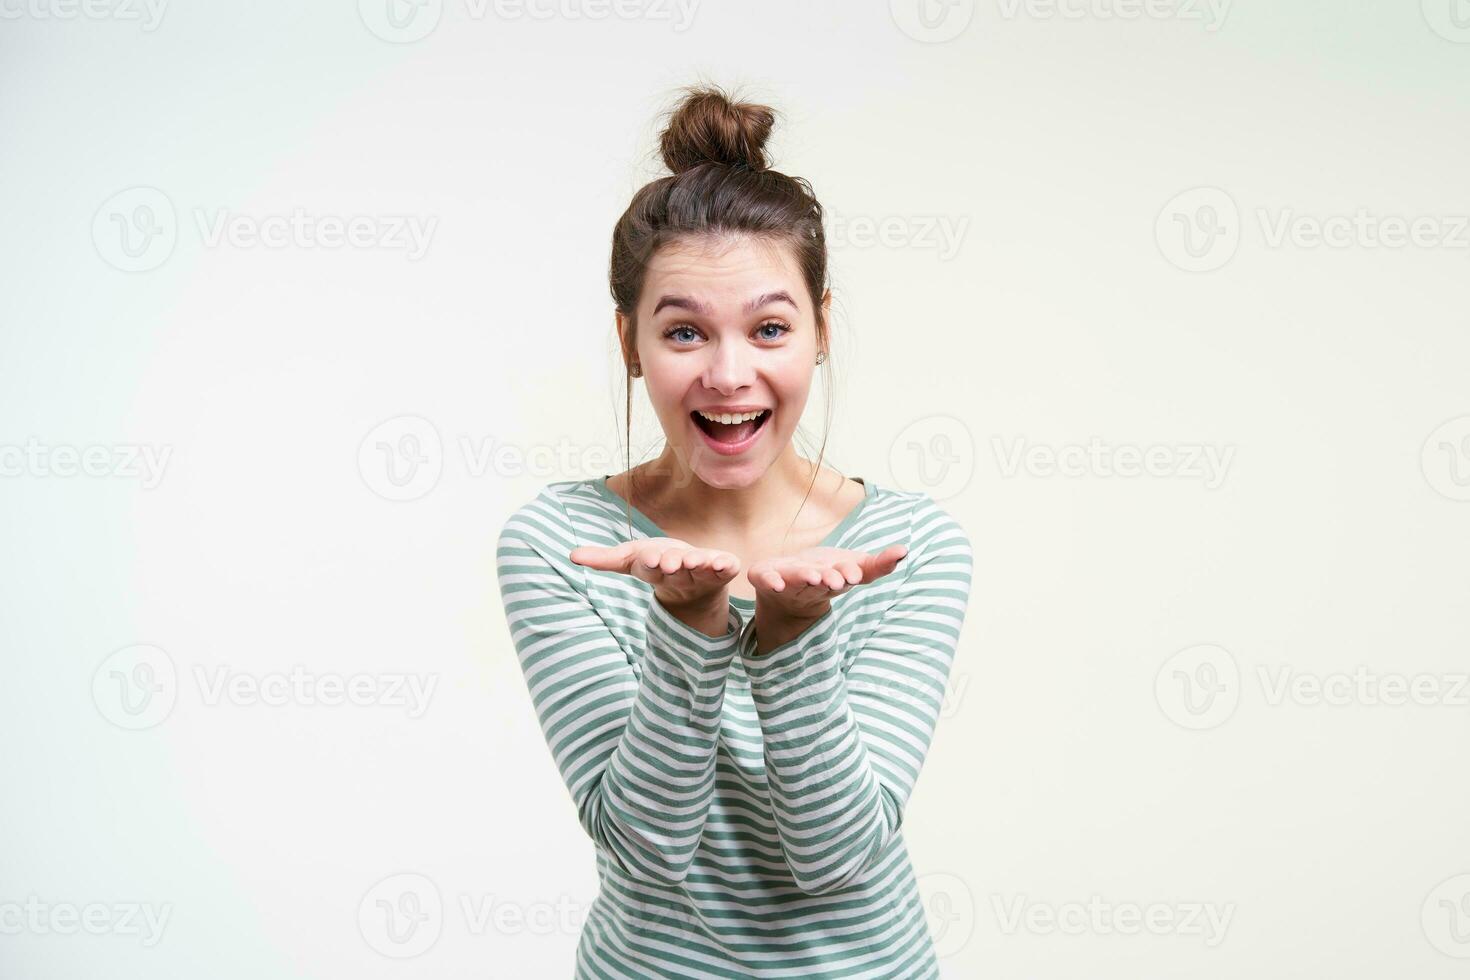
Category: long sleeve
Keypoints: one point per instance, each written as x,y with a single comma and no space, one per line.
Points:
634,746
846,731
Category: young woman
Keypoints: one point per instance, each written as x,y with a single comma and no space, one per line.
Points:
739,702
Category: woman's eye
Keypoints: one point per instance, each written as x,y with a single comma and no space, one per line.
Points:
775,325
681,328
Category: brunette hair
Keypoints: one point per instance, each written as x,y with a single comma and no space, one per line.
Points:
720,185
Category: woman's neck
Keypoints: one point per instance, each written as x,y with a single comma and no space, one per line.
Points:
675,497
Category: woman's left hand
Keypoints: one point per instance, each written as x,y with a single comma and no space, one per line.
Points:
801,587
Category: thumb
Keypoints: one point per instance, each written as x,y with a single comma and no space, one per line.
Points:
885,561
602,559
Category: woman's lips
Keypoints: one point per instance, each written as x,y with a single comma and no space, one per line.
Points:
733,448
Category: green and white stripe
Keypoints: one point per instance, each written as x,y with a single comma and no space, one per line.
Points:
746,809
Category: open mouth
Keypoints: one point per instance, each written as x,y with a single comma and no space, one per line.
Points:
733,434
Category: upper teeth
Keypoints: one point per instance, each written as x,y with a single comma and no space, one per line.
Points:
733,419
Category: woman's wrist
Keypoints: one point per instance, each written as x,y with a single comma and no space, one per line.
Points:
709,615
775,628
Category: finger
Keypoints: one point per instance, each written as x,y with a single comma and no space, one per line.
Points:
699,563
603,559
671,560
852,572
878,565
724,564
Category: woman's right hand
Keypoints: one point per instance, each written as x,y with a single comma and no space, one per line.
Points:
690,582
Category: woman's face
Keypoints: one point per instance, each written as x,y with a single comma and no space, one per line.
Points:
726,326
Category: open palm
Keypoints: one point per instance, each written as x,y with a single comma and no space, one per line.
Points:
803,585
680,573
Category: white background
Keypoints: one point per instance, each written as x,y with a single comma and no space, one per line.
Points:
1079,760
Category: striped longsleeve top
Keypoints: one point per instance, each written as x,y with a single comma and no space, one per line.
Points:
746,809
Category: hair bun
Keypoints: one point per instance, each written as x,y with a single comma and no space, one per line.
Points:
708,127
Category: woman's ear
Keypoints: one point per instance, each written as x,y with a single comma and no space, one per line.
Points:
625,343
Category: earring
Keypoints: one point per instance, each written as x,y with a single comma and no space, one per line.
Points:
821,356
636,371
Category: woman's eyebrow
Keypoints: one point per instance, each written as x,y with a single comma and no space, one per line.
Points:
684,302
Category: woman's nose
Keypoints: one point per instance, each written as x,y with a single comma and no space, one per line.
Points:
730,368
